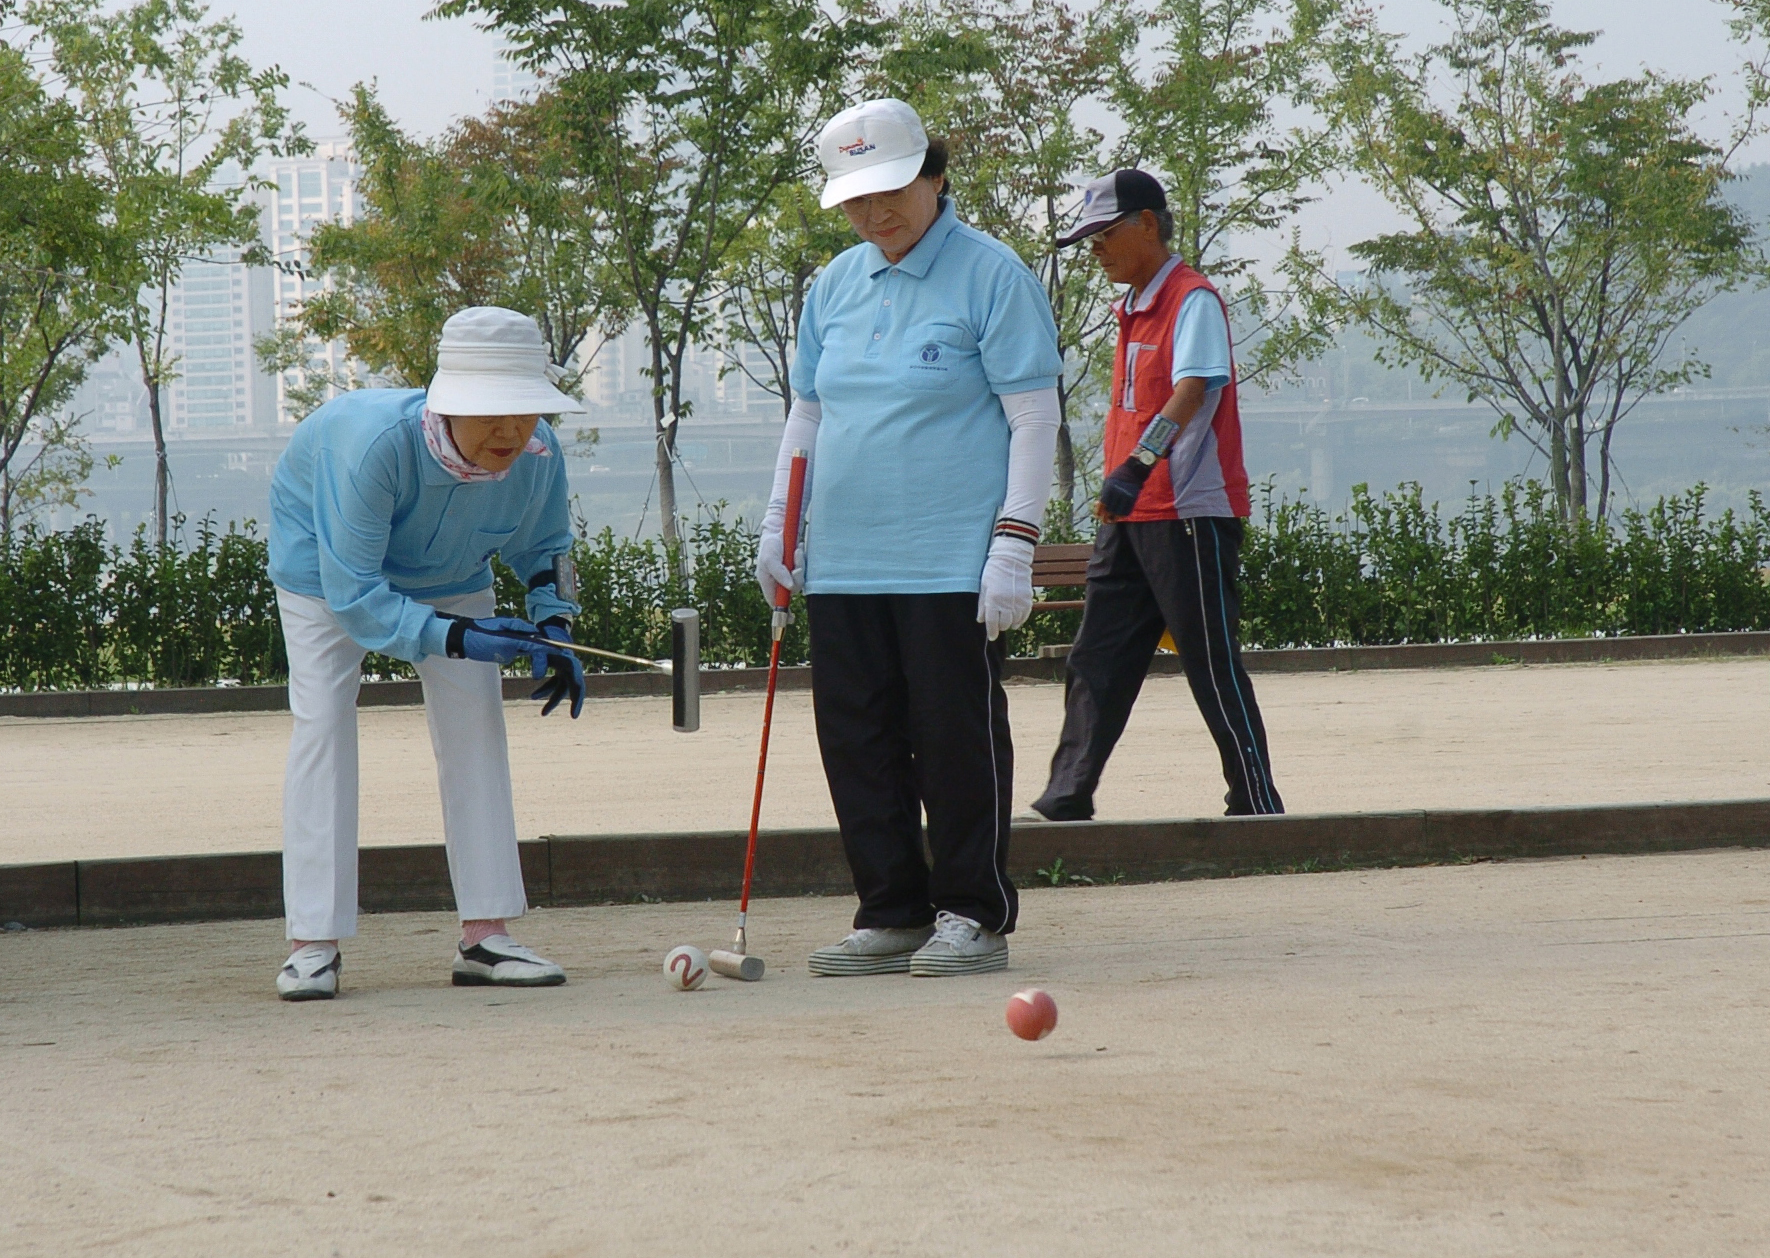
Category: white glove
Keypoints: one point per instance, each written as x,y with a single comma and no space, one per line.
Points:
1005,599
772,572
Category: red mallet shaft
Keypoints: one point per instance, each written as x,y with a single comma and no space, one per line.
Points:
732,963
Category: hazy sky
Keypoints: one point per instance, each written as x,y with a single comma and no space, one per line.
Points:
432,72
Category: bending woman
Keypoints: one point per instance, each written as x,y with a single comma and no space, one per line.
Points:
386,509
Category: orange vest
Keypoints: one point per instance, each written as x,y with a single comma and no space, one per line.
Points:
1142,383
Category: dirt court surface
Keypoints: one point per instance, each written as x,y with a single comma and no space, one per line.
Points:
1534,1058
1341,742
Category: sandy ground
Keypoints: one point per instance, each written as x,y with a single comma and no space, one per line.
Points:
1534,1058
1479,737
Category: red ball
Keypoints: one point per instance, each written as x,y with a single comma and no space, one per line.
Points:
1032,1014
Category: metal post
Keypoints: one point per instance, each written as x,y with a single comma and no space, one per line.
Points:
685,670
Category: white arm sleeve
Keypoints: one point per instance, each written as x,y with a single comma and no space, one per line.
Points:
1032,444
801,434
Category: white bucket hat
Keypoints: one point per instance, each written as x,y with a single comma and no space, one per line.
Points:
492,361
875,146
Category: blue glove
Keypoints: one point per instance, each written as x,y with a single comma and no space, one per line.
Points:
568,674
490,641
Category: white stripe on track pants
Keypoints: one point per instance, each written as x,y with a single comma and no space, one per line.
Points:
464,706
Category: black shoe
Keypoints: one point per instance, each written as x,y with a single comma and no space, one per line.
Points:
1062,812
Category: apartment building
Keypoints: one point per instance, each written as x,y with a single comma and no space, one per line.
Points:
319,187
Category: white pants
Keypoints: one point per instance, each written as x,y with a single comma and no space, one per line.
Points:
464,705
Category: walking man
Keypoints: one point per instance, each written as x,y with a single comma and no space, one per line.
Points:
1172,509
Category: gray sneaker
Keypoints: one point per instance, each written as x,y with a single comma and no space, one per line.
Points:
959,946
310,973
874,950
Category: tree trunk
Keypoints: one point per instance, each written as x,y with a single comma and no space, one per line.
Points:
162,475
6,508
1066,455
1558,465
662,414
667,480
1066,470
1604,472
1576,468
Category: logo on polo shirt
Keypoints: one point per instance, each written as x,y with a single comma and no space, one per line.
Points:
931,353
862,145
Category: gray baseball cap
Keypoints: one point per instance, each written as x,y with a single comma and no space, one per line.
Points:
1111,197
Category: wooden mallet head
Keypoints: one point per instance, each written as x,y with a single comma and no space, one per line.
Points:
735,965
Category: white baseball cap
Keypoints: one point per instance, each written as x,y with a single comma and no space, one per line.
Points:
875,146
492,361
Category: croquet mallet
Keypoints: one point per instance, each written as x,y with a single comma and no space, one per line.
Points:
736,962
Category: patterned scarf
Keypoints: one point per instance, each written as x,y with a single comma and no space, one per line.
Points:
442,448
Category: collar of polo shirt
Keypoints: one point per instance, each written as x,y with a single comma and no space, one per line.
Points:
917,261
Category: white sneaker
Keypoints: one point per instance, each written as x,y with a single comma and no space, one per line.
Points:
499,961
959,946
873,950
311,973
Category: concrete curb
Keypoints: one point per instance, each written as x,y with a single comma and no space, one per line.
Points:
202,699
565,870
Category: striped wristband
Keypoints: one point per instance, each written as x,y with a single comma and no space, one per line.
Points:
1020,530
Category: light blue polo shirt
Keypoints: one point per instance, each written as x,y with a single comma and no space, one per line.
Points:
363,516
912,452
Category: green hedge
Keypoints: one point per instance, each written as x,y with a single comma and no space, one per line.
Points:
76,612
1392,569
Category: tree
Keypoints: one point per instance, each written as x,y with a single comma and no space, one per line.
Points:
1558,231
765,278
168,107
60,291
1206,115
492,214
1001,81
686,116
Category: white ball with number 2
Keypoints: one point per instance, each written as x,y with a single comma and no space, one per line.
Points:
686,968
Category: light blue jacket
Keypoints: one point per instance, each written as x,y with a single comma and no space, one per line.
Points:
363,516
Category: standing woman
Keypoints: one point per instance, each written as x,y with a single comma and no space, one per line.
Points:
925,390
386,509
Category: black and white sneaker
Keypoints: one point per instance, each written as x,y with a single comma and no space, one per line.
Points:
959,946
311,973
499,961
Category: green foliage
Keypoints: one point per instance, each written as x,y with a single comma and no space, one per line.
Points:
628,588
61,290
1557,232
76,612
52,609
491,214
1392,569
685,117
1208,114
765,278
188,616
169,110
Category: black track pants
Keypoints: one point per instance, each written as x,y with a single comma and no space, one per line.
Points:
1142,577
911,716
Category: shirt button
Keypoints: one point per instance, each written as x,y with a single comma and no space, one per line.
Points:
877,335
888,301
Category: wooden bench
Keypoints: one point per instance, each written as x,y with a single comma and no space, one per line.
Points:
1060,565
